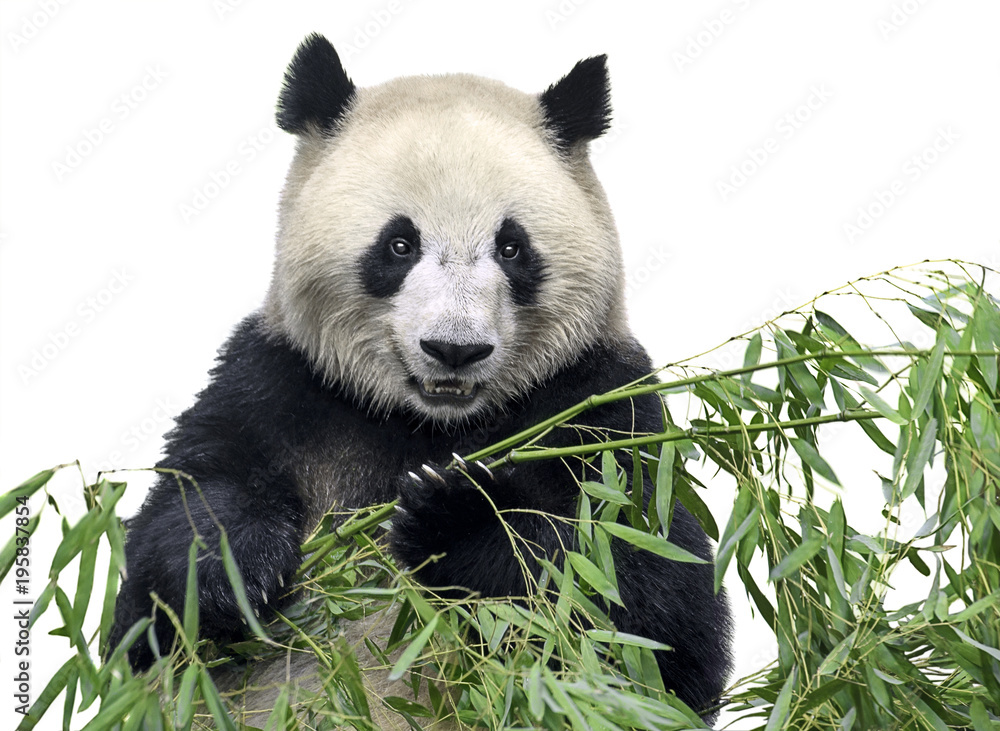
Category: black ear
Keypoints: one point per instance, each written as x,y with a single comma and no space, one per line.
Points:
578,106
316,92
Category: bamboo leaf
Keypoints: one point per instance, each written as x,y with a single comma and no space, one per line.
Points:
807,452
740,523
602,492
664,498
791,563
778,718
931,377
594,576
17,496
751,356
918,459
239,588
653,544
191,594
413,650
624,638
882,407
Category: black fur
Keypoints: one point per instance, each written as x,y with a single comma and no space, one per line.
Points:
382,270
578,106
526,271
265,410
317,91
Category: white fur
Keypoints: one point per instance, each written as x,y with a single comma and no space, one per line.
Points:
457,154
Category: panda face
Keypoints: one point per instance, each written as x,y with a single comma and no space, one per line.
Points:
439,252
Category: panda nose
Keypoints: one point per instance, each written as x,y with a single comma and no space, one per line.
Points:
454,355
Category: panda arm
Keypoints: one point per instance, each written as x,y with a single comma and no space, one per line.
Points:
226,471
448,531
448,527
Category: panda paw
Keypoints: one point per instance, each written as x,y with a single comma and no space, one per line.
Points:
439,506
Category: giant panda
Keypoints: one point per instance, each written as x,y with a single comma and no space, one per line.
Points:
446,262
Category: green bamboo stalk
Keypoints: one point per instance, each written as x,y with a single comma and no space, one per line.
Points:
516,457
630,391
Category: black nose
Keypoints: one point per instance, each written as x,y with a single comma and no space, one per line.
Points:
454,355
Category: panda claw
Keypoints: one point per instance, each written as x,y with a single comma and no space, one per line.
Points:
281,581
416,478
486,469
461,462
433,475
263,595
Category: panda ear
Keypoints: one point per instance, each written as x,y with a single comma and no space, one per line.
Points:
578,106
317,91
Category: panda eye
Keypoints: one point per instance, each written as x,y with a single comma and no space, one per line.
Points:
509,250
400,247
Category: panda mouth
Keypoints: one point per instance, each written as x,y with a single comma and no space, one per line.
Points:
449,389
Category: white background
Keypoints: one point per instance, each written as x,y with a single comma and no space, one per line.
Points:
113,301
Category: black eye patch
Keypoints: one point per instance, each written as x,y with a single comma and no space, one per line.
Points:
519,261
385,263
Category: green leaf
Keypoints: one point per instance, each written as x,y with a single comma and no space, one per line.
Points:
876,435
664,497
807,452
653,544
609,470
930,377
991,651
10,500
836,658
534,690
601,492
793,561
191,594
239,588
979,717
918,458
593,576
751,357
882,407
624,638
741,520
51,691
220,716
413,650
778,718
9,552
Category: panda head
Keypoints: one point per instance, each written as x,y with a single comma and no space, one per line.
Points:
443,242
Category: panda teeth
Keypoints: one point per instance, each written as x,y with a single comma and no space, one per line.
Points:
450,388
